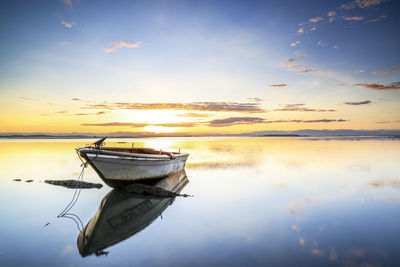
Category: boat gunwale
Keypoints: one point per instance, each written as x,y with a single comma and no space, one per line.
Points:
96,151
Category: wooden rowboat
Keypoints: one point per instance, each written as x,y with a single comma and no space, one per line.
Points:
119,166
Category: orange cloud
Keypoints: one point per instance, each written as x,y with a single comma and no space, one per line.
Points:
114,46
388,71
278,85
380,87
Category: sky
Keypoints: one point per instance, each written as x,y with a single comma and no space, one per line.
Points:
198,66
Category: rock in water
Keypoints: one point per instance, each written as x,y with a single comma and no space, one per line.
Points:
74,184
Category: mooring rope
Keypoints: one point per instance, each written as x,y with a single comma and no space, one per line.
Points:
77,193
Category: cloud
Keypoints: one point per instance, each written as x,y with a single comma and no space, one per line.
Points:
325,120
293,64
294,206
305,71
68,24
195,115
295,43
361,4
366,102
193,106
382,122
115,45
278,85
357,252
301,54
333,255
235,121
380,183
322,43
317,252
395,86
67,2
316,19
300,30
62,112
252,120
360,71
353,18
296,107
76,99
313,28
88,114
29,98
112,124
178,124
336,46
65,43
378,18
255,99
331,13
388,71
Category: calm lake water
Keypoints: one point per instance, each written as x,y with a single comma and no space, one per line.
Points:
256,202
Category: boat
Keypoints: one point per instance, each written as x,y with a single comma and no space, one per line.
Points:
119,166
122,215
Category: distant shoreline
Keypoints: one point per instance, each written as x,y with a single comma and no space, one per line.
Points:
45,136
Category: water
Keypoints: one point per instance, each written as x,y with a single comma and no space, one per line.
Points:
257,201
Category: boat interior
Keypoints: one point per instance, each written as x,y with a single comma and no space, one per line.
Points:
138,150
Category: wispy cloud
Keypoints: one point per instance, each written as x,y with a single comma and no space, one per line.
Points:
235,121
115,45
68,24
361,4
255,99
65,43
378,18
299,107
331,15
294,64
316,19
322,43
308,70
29,98
253,120
88,114
295,43
388,71
300,30
134,125
195,115
62,112
194,106
366,102
380,87
360,71
336,46
353,18
67,2
278,85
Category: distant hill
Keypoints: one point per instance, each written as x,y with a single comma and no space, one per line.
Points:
342,132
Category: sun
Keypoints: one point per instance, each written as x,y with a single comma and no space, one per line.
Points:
159,129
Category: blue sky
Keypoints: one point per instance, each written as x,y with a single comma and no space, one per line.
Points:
322,53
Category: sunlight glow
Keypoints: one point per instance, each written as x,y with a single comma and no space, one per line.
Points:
159,129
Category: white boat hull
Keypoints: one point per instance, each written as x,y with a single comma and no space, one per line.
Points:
116,168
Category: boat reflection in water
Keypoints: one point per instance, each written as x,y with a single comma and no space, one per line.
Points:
122,214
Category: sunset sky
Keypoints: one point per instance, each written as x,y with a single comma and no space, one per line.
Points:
198,66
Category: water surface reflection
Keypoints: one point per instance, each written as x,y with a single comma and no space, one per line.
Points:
122,214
